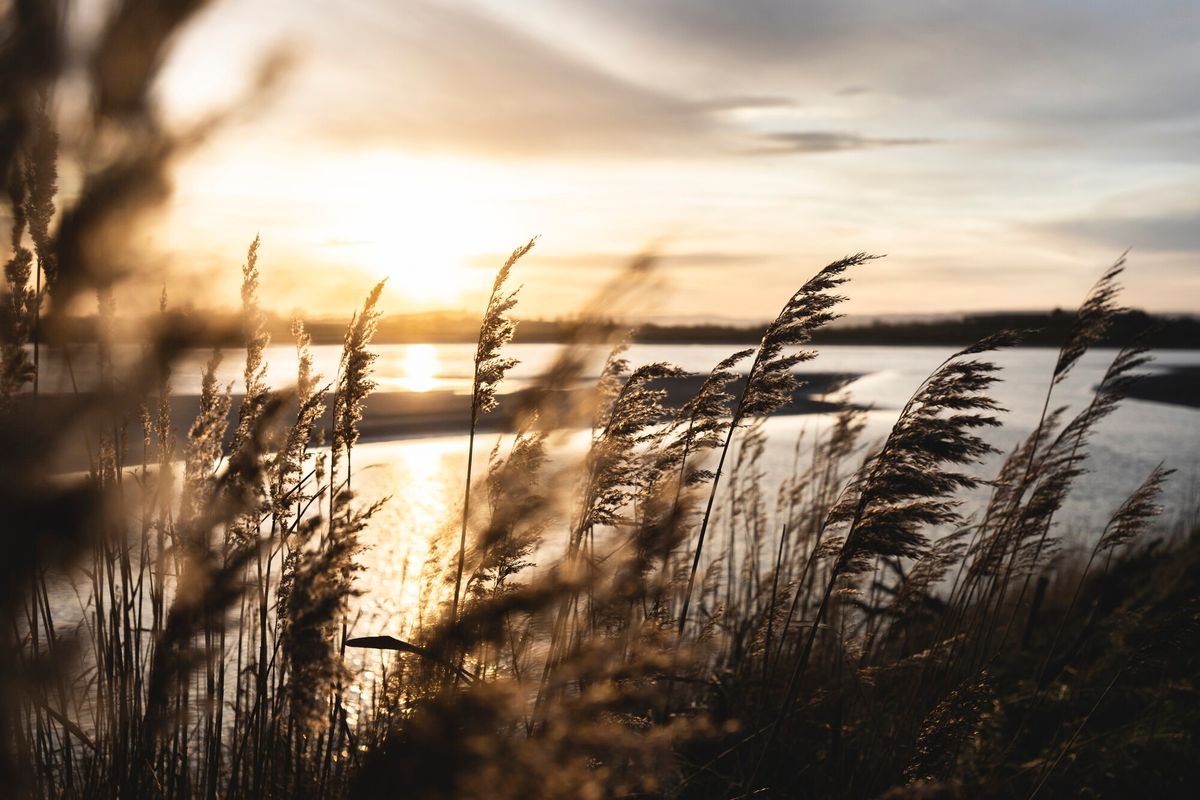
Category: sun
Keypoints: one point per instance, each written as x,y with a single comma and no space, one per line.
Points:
419,367
422,223
419,223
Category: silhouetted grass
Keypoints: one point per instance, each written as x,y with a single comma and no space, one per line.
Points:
637,620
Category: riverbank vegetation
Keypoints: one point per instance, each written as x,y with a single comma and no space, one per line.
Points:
652,617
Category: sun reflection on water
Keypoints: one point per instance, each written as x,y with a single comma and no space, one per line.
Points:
402,559
420,478
419,368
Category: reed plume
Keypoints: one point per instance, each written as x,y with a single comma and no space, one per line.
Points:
518,514
353,382
907,486
313,601
1091,321
771,382
207,657
17,309
495,331
205,438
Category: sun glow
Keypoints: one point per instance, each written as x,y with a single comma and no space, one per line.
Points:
419,368
419,223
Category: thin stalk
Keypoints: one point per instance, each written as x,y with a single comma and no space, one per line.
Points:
712,495
462,539
771,608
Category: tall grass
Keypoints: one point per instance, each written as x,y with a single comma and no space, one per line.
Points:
495,331
633,620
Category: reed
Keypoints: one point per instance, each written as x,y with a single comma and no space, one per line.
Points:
495,331
771,380
653,611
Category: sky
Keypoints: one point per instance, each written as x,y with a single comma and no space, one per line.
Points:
999,154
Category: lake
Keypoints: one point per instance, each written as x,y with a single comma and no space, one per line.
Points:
423,475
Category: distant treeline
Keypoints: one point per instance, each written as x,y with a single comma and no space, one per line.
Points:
1041,329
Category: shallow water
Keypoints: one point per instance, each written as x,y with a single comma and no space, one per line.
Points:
423,476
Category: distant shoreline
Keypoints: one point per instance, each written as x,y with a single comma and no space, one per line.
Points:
1047,329
395,415
1178,386
1040,329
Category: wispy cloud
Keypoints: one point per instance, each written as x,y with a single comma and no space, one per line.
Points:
746,102
975,140
439,77
832,141
606,260
1023,67
1168,232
